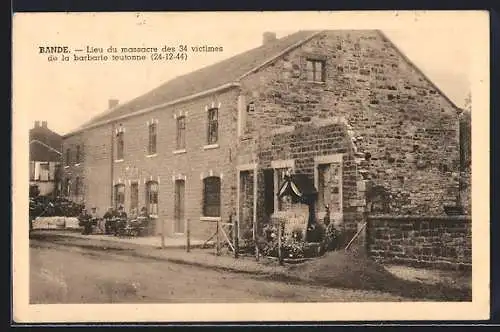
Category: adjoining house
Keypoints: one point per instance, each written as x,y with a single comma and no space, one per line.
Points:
45,159
345,108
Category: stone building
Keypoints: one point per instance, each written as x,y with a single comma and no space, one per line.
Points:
346,108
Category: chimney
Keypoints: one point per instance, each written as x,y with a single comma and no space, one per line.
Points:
268,37
44,124
37,124
112,103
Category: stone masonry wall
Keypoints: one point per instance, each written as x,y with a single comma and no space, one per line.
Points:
421,241
405,131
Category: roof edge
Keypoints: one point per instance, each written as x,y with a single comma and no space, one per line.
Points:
280,54
412,64
153,108
47,146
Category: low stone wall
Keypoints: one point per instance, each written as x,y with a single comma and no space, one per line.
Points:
437,241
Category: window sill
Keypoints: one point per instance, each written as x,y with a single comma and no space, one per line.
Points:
317,82
210,218
180,151
211,146
151,155
118,160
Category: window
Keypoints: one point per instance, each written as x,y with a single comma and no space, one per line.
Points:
68,157
213,125
280,175
181,132
152,198
211,197
119,195
77,161
43,174
119,145
330,186
32,170
152,138
77,186
315,70
134,195
67,187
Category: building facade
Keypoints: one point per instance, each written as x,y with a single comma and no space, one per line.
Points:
346,108
45,159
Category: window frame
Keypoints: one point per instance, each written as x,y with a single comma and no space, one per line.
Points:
213,126
315,71
134,184
122,195
68,157
152,212
78,156
180,142
152,138
216,203
41,165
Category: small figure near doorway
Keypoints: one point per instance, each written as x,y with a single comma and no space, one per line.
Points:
85,220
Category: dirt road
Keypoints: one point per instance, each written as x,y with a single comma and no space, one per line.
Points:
63,274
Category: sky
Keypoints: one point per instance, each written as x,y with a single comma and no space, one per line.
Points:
66,94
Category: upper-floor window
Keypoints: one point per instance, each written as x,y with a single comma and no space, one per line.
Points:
78,156
315,70
120,145
181,132
119,195
152,138
134,196
211,196
67,187
68,157
213,126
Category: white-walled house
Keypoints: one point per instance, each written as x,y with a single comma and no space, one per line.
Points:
45,158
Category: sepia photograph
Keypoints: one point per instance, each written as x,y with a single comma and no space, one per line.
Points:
250,166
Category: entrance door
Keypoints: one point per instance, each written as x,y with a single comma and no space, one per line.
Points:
330,188
179,206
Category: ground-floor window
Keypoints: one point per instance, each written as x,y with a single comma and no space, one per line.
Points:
211,196
152,198
134,195
119,195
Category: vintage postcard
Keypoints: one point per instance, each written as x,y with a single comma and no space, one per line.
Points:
250,166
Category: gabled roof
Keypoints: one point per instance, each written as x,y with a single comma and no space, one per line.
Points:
210,77
40,151
222,74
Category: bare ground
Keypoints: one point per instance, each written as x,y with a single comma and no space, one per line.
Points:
64,274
